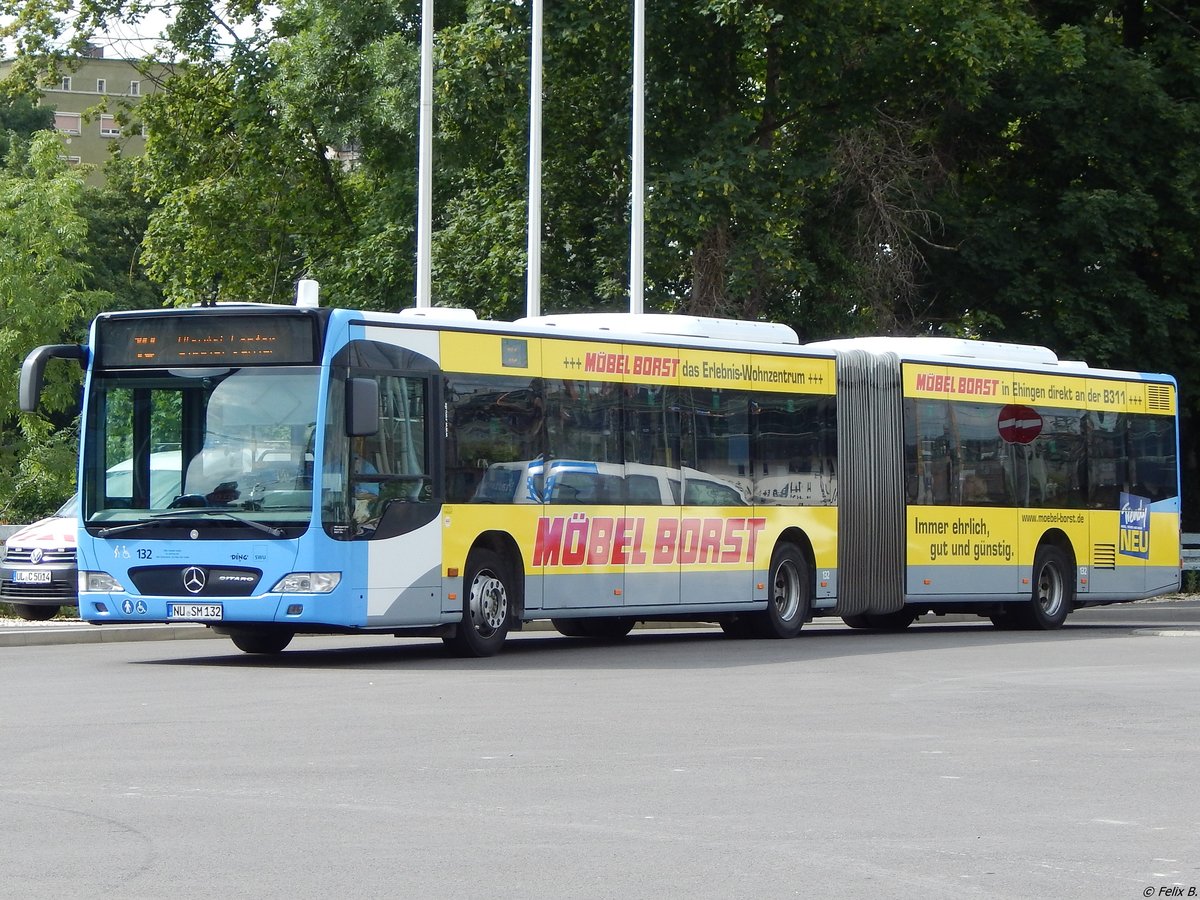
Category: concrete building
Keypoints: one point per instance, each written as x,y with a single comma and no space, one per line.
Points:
95,107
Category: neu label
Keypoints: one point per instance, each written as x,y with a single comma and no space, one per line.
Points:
1019,424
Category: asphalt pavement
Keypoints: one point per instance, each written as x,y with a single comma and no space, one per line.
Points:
1174,614
955,761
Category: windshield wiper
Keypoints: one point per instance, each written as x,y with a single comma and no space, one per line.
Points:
118,529
164,518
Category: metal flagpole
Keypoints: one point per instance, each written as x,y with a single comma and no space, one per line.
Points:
533,287
425,161
637,207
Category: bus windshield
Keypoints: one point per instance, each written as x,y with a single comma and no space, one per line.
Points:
238,442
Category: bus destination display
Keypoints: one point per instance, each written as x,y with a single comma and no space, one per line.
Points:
206,340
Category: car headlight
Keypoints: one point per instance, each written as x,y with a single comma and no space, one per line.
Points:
99,583
307,583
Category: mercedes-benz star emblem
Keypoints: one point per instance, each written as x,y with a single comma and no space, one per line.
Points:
36,556
193,579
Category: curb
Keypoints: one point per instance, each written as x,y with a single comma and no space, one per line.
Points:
1153,632
34,636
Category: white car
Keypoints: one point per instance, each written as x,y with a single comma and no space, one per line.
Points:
37,574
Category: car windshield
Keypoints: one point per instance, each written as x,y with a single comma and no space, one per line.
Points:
237,441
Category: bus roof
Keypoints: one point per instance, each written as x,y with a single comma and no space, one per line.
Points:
698,331
668,325
951,349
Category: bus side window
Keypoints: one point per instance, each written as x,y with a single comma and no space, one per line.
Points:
1107,459
1061,451
491,420
929,458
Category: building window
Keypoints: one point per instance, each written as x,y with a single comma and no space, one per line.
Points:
135,89
67,123
101,86
108,126
65,84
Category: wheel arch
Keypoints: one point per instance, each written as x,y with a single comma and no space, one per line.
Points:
793,534
506,547
799,539
1056,537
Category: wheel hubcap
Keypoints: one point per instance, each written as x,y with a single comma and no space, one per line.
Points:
786,590
489,603
1050,590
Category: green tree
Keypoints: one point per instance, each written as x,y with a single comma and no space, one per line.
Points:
1076,202
43,299
21,116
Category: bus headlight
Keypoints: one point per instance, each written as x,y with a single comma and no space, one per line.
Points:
99,583
307,583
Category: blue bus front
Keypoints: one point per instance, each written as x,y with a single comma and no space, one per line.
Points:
204,465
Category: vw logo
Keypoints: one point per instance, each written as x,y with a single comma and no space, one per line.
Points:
36,556
193,579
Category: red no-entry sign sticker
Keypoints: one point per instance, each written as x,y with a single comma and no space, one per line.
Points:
1019,424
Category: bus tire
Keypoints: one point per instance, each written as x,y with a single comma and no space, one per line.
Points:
1053,590
265,642
488,602
737,625
569,627
892,621
597,628
1005,619
32,613
790,587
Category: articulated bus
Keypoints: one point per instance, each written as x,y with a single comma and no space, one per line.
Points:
428,473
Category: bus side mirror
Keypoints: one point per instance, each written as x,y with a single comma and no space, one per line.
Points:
362,407
33,370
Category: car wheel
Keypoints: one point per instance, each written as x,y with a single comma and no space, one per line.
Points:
32,613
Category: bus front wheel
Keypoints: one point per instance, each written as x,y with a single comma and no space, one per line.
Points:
790,595
487,605
265,642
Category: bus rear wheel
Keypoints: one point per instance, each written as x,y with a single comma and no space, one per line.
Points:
265,642
1004,619
1053,590
737,625
598,628
790,595
892,621
487,605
